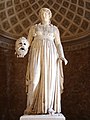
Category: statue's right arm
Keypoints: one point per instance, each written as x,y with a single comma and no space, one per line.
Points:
30,35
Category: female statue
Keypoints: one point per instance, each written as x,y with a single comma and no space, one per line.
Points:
44,77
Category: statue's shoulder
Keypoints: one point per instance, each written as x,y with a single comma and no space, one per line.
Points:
32,27
55,27
36,25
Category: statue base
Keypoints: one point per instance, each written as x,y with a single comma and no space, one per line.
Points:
43,117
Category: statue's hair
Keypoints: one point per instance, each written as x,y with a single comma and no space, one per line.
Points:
45,9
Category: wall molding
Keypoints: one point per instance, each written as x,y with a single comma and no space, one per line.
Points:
68,46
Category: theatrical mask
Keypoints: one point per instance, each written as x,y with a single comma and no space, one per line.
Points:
21,47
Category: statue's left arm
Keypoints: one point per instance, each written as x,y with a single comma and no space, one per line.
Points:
59,45
61,55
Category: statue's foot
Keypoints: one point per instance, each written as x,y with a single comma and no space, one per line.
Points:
29,111
58,113
26,112
51,111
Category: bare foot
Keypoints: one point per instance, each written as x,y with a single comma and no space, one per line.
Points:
51,111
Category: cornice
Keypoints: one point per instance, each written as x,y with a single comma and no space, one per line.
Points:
68,46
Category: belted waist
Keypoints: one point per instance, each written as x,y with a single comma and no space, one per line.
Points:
44,38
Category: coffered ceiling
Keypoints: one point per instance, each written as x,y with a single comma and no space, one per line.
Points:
72,17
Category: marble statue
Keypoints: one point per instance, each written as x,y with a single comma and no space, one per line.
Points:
44,76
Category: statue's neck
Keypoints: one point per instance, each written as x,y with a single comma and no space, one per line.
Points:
45,22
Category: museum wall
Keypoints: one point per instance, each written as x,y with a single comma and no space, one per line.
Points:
72,17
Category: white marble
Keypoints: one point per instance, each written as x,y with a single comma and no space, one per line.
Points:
43,117
44,76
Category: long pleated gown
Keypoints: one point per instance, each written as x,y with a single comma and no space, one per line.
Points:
44,77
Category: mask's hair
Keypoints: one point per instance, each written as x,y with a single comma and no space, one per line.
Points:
46,10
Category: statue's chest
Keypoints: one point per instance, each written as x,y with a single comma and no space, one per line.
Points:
44,30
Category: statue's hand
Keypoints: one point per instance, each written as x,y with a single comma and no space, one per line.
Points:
19,55
65,61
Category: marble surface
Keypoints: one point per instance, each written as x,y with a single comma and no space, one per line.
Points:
43,117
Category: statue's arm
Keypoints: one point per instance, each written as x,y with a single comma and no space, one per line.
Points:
59,45
30,35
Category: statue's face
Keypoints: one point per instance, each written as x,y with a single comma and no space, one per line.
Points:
45,16
21,46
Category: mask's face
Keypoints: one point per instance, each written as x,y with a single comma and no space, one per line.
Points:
21,46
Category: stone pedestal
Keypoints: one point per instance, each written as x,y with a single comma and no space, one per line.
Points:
43,117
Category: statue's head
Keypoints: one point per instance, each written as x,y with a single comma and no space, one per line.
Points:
21,47
45,14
